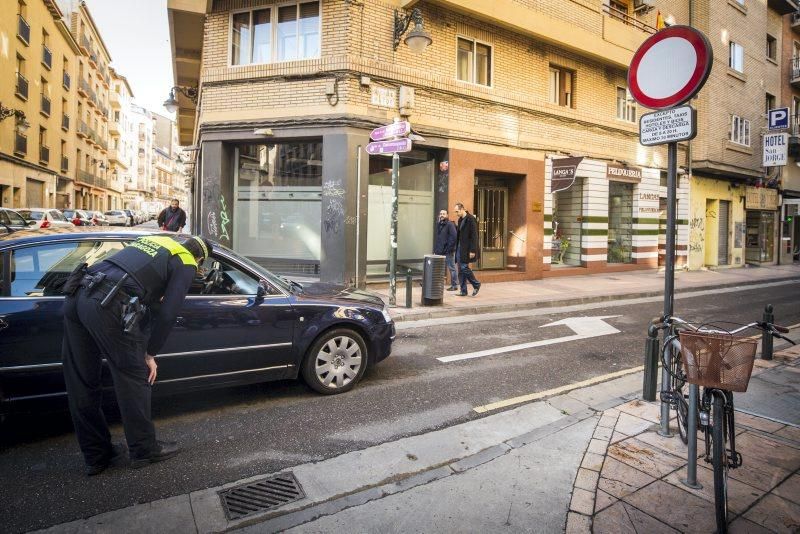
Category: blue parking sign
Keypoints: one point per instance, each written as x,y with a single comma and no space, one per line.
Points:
778,118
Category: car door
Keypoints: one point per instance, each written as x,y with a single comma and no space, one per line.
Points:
225,333
31,330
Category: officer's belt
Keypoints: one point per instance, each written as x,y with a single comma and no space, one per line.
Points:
102,288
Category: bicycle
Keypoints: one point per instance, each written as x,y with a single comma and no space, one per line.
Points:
720,362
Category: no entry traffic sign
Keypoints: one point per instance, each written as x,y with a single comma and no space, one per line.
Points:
670,67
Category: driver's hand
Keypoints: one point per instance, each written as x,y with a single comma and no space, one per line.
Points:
152,366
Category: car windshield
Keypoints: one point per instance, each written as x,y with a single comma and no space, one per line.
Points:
70,214
31,215
15,218
112,213
273,278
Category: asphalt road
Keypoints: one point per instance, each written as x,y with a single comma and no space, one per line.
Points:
234,433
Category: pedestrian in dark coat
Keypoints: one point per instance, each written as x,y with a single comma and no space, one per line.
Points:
467,250
173,218
445,245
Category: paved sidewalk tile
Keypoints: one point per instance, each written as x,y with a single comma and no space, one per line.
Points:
790,489
740,495
673,506
603,500
622,518
642,409
578,524
619,479
776,514
631,425
744,526
759,423
644,457
672,445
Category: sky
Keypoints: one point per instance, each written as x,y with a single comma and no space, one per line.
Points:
136,33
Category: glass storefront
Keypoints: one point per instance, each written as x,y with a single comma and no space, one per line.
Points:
620,222
415,213
760,242
278,191
567,214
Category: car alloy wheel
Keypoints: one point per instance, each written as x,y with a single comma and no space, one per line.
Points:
336,362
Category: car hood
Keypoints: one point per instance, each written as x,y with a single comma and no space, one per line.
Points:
339,292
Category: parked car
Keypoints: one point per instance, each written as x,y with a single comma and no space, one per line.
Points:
117,218
239,324
11,221
99,219
78,217
45,218
131,217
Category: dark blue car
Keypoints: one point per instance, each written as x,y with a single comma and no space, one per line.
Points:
239,324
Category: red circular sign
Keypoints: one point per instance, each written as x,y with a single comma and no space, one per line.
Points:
670,67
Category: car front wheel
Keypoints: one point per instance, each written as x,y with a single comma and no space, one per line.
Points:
335,362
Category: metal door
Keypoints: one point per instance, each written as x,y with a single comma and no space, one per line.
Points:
722,251
491,210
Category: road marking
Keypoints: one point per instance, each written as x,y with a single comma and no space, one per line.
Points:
556,391
584,328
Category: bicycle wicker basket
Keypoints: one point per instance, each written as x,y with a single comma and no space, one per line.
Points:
719,361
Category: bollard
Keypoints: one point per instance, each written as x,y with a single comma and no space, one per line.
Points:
766,337
408,288
650,364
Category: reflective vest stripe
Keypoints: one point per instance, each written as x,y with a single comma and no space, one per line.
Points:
174,248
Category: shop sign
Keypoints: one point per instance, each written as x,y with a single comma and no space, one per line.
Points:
776,146
396,129
668,126
389,147
563,173
621,173
761,198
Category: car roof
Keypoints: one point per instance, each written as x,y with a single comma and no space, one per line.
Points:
25,237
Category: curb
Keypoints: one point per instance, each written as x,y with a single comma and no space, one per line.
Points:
554,303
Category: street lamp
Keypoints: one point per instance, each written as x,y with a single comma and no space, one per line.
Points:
171,103
19,118
417,39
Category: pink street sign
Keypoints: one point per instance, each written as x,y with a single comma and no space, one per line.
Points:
396,129
389,147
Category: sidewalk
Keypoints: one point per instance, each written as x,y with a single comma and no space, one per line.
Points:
570,290
583,460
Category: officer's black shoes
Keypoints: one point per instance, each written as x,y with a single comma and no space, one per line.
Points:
165,451
118,452
475,290
454,288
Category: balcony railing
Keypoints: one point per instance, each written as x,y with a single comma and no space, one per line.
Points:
47,57
20,144
83,87
66,81
45,106
64,163
794,72
83,129
22,86
23,30
65,122
86,177
44,154
623,17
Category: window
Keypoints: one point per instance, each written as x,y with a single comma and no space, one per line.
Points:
736,60
41,270
562,85
220,278
772,47
474,62
769,103
618,9
284,33
740,131
626,107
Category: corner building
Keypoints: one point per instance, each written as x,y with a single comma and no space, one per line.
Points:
288,93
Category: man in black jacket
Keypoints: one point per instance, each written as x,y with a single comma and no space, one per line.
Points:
467,250
445,245
173,218
104,316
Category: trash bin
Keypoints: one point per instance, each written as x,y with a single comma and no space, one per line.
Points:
433,269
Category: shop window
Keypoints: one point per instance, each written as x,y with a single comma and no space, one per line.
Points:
620,222
772,47
283,33
626,106
567,216
736,57
740,131
562,85
474,62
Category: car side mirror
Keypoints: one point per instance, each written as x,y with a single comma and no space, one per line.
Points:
31,223
261,292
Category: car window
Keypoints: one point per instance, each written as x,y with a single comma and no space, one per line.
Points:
217,277
57,216
31,215
15,218
4,217
41,270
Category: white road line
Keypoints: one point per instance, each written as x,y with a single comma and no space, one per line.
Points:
556,391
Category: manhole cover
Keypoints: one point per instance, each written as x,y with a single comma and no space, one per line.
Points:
260,495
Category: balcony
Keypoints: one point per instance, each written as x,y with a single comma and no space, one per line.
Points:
64,163
86,177
115,156
20,144
783,7
83,130
23,30
66,81
45,106
794,72
47,57
83,88
44,154
22,87
85,44
114,127
93,59
102,144
113,99
65,122
623,30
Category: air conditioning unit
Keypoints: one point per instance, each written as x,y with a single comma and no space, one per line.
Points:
643,7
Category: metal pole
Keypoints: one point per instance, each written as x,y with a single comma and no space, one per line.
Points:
393,230
650,381
669,274
691,430
409,288
358,209
766,337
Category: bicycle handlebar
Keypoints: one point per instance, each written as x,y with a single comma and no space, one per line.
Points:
781,329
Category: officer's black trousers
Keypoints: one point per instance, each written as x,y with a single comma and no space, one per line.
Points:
92,333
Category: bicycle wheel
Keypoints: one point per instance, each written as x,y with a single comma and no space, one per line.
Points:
679,391
720,460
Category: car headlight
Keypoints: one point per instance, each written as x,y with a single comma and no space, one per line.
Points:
386,316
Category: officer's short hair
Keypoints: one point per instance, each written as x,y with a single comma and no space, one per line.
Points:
200,247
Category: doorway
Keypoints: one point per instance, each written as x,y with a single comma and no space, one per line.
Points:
491,211
724,245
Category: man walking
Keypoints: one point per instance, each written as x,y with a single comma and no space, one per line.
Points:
467,250
173,218
105,317
445,245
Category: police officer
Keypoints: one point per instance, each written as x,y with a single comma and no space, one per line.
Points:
123,309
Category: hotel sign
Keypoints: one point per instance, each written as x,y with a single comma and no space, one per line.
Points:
761,198
621,173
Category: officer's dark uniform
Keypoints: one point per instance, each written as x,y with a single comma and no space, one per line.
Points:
160,272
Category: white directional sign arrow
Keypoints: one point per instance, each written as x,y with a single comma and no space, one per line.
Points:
584,328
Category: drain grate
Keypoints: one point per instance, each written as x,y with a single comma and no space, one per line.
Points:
261,495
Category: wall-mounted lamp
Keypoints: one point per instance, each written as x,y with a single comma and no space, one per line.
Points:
417,39
20,122
171,103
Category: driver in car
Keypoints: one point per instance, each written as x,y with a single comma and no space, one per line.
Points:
151,276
